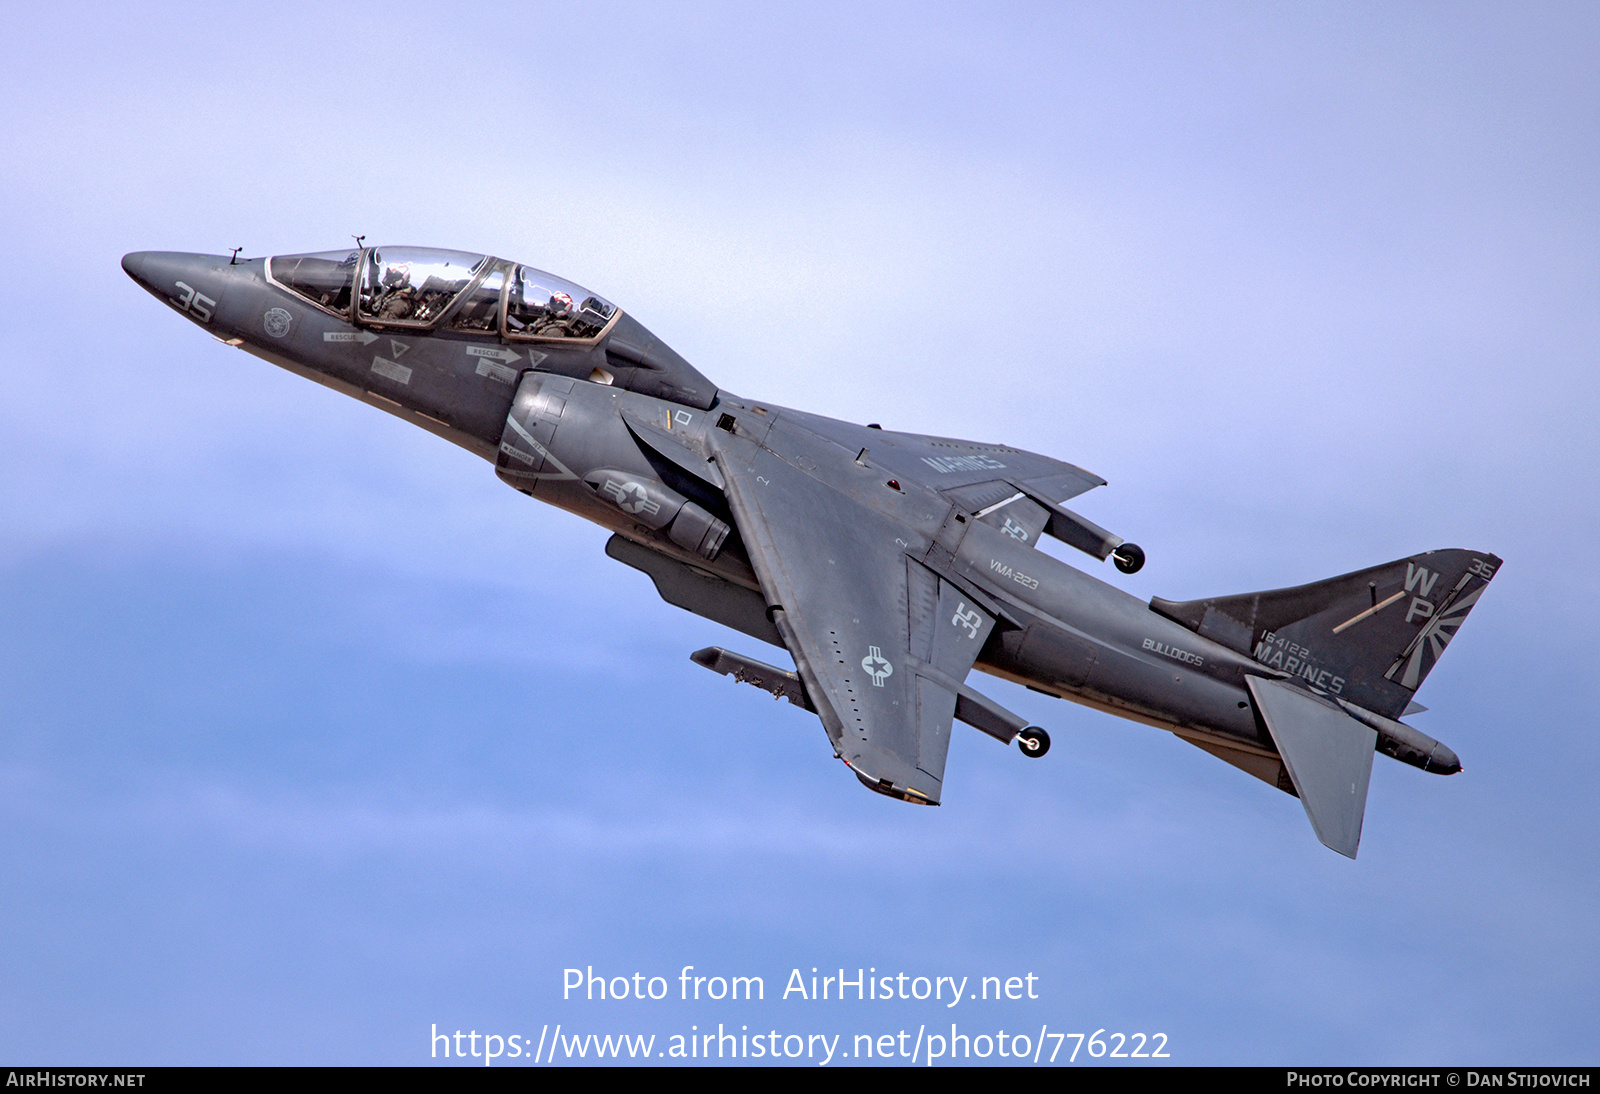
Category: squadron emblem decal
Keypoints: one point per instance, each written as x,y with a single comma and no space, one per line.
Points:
276,322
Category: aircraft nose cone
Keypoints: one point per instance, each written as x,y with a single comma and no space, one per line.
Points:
193,284
158,270
133,264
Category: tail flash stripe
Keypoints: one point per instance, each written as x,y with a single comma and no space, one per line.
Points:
1436,635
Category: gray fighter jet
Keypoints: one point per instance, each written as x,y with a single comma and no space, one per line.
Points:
887,564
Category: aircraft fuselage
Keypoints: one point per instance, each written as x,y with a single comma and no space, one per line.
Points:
622,432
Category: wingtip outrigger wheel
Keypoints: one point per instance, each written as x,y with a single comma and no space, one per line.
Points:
1034,741
1129,557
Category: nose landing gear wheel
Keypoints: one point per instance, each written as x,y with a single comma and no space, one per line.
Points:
1035,742
1129,558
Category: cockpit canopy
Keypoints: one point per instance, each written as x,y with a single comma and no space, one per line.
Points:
324,279
426,289
541,305
423,287
414,285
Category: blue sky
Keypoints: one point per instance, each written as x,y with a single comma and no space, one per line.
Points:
313,735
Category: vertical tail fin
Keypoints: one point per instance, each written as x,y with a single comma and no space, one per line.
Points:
1370,637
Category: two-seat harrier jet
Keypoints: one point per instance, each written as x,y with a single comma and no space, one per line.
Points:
887,564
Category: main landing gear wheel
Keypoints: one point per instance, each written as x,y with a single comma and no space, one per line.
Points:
1035,742
1129,558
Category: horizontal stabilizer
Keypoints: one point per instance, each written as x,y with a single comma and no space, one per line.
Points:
1328,754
